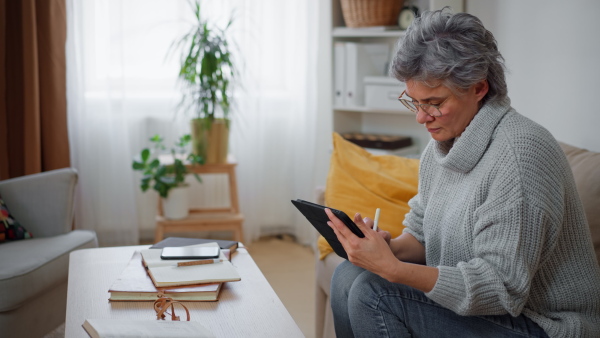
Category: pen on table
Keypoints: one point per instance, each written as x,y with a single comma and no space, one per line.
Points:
201,262
376,219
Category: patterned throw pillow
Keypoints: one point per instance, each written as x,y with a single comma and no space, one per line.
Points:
10,229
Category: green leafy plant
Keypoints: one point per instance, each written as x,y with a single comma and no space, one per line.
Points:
206,67
164,176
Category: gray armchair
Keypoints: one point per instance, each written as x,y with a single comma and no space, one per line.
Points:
34,272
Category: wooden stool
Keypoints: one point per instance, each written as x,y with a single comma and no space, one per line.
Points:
220,219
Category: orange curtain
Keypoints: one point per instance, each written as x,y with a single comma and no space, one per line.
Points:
33,103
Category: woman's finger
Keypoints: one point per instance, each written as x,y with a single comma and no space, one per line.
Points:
337,225
368,222
385,235
364,224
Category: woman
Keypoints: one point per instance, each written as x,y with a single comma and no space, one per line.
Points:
496,243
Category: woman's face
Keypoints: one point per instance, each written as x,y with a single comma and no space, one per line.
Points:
457,110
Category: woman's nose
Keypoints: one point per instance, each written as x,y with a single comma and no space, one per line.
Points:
423,117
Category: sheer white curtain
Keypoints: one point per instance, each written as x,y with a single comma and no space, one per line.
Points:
122,90
273,132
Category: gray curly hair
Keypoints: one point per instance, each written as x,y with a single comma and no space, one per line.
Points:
454,49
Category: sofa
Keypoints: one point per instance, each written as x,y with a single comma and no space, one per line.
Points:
34,271
586,171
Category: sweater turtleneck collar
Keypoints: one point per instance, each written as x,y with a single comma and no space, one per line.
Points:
463,153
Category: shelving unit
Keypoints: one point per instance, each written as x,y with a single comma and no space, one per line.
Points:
345,32
365,119
368,110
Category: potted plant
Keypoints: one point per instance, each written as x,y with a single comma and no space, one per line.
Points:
205,76
167,175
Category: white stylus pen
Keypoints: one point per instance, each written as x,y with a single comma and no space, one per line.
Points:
376,219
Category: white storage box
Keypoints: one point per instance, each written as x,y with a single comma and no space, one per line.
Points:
381,92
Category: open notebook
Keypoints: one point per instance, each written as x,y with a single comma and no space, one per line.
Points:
167,273
134,284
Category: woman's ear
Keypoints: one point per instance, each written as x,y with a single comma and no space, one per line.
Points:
481,89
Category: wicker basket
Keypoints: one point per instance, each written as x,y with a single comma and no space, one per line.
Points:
365,13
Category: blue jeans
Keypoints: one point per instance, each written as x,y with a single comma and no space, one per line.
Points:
366,305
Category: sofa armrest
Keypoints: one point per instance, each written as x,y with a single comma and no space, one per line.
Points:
43,203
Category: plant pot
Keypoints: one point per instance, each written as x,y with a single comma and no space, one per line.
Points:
176,205
211,140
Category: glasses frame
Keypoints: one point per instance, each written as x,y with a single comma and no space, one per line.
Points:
409,104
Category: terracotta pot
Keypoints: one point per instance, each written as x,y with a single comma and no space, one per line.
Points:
211,140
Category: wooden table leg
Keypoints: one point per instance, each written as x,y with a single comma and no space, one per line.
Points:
158,233
239,234
235,207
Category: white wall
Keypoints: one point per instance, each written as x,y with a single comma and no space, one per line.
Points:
552,52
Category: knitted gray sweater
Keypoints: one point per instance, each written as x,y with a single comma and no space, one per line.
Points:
499,215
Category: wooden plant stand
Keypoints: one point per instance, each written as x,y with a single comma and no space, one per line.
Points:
221,219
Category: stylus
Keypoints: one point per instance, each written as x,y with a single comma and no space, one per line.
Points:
202,262
376,219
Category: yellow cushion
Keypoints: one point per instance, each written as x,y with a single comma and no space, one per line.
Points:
361,182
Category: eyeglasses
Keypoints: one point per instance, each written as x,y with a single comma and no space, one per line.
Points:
432,110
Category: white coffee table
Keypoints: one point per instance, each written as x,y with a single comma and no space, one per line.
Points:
249,308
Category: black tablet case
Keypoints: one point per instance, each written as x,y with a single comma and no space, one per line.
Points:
316,215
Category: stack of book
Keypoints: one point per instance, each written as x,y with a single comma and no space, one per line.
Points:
147,275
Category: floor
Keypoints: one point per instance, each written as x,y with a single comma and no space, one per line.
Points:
290,269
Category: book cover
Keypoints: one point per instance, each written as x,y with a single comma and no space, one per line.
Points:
183,241
105,327
166,273
134,284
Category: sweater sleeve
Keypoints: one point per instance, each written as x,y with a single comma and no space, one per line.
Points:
413,221
508,242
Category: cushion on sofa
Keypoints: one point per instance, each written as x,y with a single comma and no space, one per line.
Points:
359,181
585,165
10,228
43,264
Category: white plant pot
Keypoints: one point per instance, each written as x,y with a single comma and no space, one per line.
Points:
176,205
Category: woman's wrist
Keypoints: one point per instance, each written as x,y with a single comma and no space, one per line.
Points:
420,277
396,247
408,249
393,272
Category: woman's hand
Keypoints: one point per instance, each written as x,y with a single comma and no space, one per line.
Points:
369,223
371,252
374,254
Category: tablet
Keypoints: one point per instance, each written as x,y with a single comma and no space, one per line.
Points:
316,215
186,252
